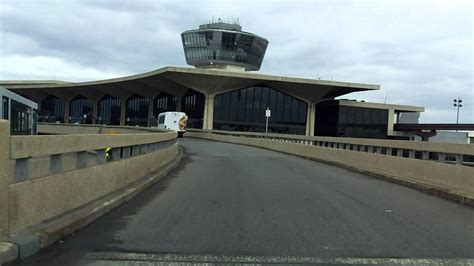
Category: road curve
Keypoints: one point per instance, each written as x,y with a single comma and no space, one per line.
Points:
232,200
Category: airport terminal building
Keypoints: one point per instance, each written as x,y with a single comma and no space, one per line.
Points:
223,91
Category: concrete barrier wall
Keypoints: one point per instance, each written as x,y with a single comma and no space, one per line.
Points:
45,177
453,177
66,129
40,199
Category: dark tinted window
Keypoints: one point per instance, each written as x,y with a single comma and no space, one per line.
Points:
136,111
109,110
249,105
80,110
192,104
52,110
21,119
348,121
202,47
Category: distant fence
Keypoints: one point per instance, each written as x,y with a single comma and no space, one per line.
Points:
42,177
440,165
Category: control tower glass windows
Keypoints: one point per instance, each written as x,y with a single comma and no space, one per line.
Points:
219,47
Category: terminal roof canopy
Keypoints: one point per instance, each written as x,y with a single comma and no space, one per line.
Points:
176,80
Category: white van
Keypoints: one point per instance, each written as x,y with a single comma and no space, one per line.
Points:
175,121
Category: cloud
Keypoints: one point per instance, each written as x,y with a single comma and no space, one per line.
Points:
420,52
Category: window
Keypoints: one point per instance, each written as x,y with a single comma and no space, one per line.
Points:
52,110
20,119
244,110
80,110
161,119
136,111
109,110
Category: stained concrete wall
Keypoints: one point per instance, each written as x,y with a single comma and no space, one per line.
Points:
82,176
457,178
39,199
65,129
5,177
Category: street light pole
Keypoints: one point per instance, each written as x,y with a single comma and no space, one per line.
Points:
458,104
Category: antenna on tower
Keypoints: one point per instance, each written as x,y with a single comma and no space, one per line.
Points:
386,94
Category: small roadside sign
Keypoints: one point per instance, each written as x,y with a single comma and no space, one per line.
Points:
267,113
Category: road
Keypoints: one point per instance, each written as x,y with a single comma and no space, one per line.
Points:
227,200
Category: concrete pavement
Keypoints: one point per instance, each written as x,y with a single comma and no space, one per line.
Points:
231,200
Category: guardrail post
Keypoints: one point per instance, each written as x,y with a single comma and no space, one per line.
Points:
5,178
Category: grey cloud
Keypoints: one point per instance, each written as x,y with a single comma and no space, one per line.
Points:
418,51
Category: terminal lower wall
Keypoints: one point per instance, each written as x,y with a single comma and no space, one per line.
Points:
457,178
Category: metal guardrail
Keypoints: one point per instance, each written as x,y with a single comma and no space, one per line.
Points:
462,154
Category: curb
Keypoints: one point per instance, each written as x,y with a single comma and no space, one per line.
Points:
47,233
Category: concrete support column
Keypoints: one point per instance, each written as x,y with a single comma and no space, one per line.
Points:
5,178
391,115
123,112
151,107
208,112
66,110
39,106
310,116
95,111
178,103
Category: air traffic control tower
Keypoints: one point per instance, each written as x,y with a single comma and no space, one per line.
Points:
223,46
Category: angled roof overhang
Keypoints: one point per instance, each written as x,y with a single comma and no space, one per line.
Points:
176,80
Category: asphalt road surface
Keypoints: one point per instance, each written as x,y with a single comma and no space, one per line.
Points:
228,203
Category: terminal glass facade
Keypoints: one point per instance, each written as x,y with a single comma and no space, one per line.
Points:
244,110
164,102
109,110
349,121
80,110
192,103
136,111
52,110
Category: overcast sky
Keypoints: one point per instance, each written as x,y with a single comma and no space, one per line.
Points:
419,52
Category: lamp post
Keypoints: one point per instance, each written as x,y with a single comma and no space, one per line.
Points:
458,104
267,115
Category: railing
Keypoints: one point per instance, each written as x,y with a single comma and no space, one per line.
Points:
440,152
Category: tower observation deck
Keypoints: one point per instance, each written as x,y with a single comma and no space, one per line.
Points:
224,46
